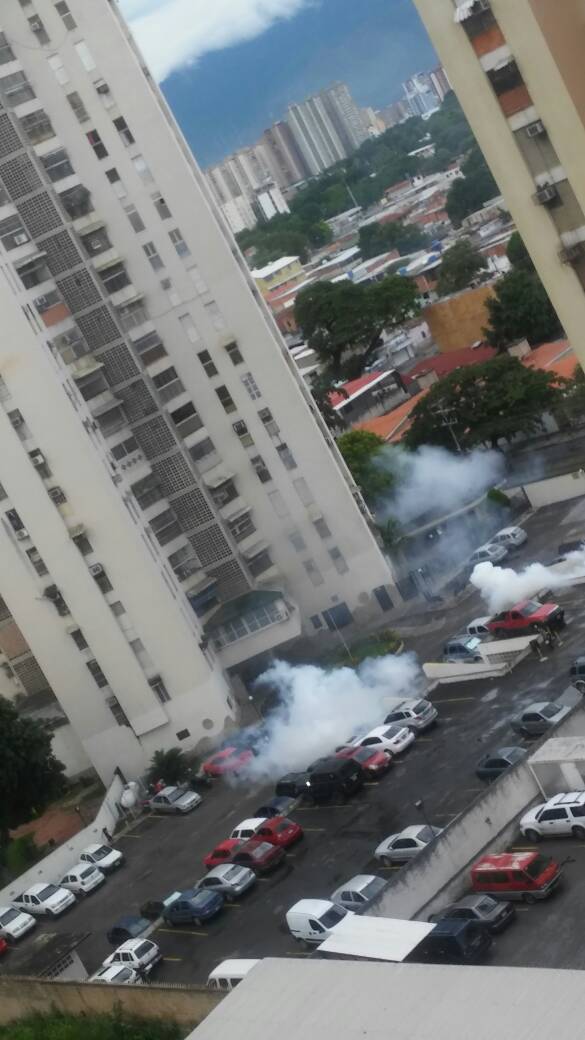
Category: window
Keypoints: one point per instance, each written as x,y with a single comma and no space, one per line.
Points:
278,503
124,131
79,109
117,711
134,218
168,287
259,563
37,126
241,525
160,206
147,491
225,399
241,430
117,608
215,316
186,419
95,670
160,689
57,495
201,450
102,581
57,165
38,28
85,56
153,257
261,469
265,415
338,560
179,243
250,385
381,594
234,354
198,280
37,561
116,182
96,242
303,491
150,348
127,447
140,165
68,19
316,621
114,277
168,384
132,315
34,272
297,541
321,527
6,52
189,328
97,144
313,572
286,456
208,363
16,89
76,201
83,543
79,639
166,527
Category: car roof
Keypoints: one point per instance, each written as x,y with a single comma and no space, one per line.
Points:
169,790
111,970
132,944
407,702
311,906
250,824
35,889
359,882
78,868
94,848
568,798
504,860
412,831
328,763
223,868
471,900
233,967
508,530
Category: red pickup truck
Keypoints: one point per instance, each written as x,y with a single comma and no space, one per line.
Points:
527,616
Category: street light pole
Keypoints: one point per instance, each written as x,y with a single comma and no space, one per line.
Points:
420,805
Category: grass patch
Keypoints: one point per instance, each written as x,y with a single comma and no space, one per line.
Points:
379,644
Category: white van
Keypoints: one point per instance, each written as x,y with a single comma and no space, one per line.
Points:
247,828
479,626
227,974
313,920
510,537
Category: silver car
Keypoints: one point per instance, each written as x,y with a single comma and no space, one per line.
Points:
359,892
174,800
229,879
537,718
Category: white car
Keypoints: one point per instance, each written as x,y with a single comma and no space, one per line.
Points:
562,816
404,846
229,879
141,954
174,800
510,537
393,738
247,828
119,974
489,554
44,900
415,713
14,923
103,856
82,879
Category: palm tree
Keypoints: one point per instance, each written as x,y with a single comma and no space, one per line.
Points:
171,766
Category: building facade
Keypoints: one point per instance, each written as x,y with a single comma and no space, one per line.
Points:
315,133
345,116
281,155
518,71
171,506
245,190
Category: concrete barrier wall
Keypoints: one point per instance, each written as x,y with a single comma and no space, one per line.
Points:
555,489
440,873
186,1005
53,866
67,747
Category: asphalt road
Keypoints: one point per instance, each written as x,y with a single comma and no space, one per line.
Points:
165,853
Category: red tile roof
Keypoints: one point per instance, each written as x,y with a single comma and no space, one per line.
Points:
553,357
354,388
443,364
394,425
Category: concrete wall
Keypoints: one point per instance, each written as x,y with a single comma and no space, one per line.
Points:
67,747
22,996
53,866
458,321
556,489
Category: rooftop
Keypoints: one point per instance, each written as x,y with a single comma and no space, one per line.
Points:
355,388
274,267
444,364
395,424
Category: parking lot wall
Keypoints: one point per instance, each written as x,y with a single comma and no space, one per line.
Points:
555,489
440,873
186,1005
53,866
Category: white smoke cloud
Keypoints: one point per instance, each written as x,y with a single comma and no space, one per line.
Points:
319,710
175,33
502,587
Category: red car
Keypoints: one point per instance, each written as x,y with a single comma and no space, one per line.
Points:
223,853
374,763
260,856
3,946
528,615
228,760
281,831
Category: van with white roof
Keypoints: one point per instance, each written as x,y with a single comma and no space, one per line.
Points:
227,974
510,537
247,828
479,626
313,920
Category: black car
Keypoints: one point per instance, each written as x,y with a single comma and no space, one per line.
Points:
127,927
453,942
492,765
491,913
577,674
277,806
154,908
333,777
293,785
570,547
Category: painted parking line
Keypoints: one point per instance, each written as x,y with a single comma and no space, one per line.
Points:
122,836
313,830
392,866
453,700
181,931
232,906
523,848
298,953
178,959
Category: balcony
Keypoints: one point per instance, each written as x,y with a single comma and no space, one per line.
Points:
252,624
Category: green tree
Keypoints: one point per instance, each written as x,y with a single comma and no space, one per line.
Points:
482,404
117,1026
343,322
520,309
170,766
361,451
572,408
469,193
382,238
460,265
518,254
30,775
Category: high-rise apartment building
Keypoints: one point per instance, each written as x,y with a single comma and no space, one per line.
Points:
517,68
245,189
281,155
420,94
345,116
316,134
171,506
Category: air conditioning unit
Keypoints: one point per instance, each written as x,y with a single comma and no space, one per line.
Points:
96,569
547,193
56,495
102,88
37,458
41,303
17,420
535,129
572,254
36,25
21,534
21,239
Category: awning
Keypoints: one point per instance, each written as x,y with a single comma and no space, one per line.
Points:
255,550
377,938
90,229
112,261
79,371
107,406
238,513
30,261
215,479
240,606
76,532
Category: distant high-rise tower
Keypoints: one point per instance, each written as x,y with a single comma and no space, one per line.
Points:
281,155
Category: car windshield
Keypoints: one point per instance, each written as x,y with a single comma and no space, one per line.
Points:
261,850
9,916
231,874
530,608
123,974
363,754
486,905
538,865
88,872
420,707
333,916
101,852
142,950
373,887
475,934
174,795
392,731
549,710
283,826
47,892
427,833
134,926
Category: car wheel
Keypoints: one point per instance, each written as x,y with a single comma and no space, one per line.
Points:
386,861
528,898
580,685
579,832
531,835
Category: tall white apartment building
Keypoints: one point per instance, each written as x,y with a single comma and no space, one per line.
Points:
315,134
245,190
171,506
346,116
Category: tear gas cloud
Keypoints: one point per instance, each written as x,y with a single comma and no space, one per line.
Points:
502,587
318,710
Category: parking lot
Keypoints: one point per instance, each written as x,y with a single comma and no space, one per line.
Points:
165,853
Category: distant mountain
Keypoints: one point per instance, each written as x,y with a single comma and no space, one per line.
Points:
231,96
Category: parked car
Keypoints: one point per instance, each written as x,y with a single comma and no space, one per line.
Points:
570,547
103,856
492,765
193,906
527,616
374,763
259,856
246,829
527,876
227,975
280,831
15,924
292,785
223,852
454,942
82,879
399,848
577,674
538,717
486,910
44,900
3,947
562,816
118,974
462,648
228,760
154,908
359,892
417,715
479,626
393,738
488,554
510,537
313,920
229,879
141,954
174,800
277,806
333,777
130,926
